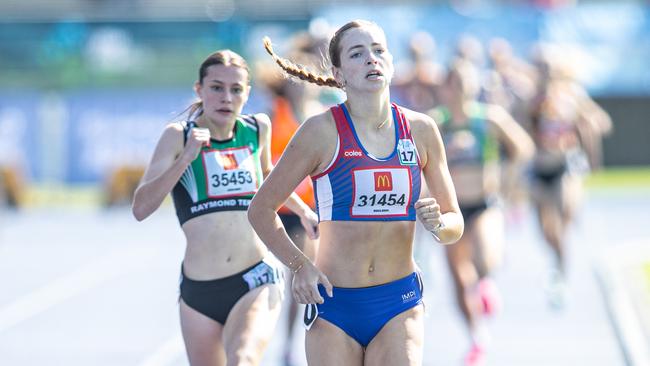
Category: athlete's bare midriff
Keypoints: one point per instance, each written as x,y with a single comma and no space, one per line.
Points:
220,244
362,254
465,179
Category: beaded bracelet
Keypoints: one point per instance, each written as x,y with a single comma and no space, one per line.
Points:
292,261
299,268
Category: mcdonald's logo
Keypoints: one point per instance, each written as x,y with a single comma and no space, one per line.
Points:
228,161
383,181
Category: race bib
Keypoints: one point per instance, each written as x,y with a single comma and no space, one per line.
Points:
230,172
261,275
381,192
407,152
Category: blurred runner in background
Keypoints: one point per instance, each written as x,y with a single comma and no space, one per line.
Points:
473,134
567,126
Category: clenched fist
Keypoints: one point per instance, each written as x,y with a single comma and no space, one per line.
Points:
428,211
196,139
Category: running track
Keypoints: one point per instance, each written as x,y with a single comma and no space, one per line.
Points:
85,286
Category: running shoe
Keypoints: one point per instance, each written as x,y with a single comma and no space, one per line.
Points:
556,290
490,296
288,359
475,356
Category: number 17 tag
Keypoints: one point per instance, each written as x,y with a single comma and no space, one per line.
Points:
407,152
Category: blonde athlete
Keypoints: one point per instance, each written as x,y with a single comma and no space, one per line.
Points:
213,164
567,126
365,157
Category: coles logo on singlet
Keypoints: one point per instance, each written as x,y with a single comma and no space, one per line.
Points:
383,181
352,154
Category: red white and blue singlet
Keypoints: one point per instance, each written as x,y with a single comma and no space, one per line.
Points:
357,186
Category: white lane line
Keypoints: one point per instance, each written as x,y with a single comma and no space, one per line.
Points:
67,286
169,351
616,290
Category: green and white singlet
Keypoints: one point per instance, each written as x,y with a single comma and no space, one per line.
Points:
470,143
224,176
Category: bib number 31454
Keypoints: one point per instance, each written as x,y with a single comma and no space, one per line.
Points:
381,192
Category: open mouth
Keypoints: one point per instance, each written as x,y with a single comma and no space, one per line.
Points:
374,74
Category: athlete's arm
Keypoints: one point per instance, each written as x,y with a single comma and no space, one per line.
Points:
300,158
294,202
515,139
439,213
167,165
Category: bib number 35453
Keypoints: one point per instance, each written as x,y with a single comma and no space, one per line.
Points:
229,172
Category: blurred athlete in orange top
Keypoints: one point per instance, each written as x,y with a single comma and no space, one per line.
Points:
289,101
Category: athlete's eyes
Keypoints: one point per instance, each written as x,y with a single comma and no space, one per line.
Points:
355,55
216,87
237,90
380,51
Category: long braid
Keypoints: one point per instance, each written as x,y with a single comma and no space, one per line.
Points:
299,71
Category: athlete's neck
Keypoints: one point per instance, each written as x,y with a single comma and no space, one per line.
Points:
218,131
371,112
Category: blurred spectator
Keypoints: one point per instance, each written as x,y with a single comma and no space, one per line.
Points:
121,184
418,80
510,83
291,103
12,187
469,48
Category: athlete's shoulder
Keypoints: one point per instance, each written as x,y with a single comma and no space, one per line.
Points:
262,119
319,122
252,121
418,120
261,122
318,130
174,130
172,137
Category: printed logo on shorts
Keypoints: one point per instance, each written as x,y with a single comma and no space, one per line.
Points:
409,296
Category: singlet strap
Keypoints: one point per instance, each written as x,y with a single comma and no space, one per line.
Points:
404,127
346,136
251,121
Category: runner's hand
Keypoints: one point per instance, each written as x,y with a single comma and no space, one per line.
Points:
196,139
428,211
305,284
310,223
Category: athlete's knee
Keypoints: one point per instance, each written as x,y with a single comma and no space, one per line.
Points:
243,357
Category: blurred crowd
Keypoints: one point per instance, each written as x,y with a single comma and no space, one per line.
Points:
518,84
